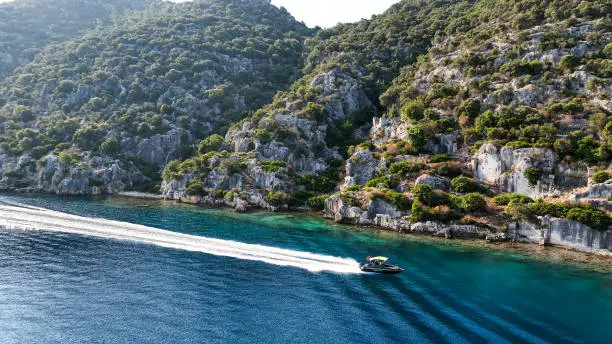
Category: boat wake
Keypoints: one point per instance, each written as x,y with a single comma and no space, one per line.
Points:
31,218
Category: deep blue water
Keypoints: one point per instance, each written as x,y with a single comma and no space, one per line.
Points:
59,288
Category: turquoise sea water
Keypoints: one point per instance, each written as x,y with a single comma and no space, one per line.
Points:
60,288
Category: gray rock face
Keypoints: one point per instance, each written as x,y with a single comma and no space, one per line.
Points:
575,235
384,129
95,175
379,207
506,168
596,191
347,94
571,176
450,231
565,233
340,211
174,189
445,143
436,182
361,167
157,149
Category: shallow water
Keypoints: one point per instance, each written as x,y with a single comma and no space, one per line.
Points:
65,288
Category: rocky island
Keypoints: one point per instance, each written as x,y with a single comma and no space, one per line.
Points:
485,119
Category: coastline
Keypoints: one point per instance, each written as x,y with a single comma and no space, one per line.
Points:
554,254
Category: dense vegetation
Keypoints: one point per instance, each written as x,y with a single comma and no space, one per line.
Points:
192,67
26,26
250,105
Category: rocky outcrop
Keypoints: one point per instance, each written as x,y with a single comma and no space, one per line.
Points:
577,236
571,176
158,149
362,167
452,230
597,195
91,176
342,212
564,233
345,95
436,182
445,143
505,167
385,129
603,191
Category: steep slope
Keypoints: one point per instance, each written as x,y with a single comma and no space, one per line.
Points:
458,78
297,143
137,93
26,26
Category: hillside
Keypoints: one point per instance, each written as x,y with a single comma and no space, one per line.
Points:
454,111
469,98
144,88
26,26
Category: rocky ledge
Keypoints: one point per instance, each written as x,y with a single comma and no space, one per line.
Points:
556,232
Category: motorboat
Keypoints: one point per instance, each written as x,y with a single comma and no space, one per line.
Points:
379,265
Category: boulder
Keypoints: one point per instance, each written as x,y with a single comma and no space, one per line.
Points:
436,182
505,167
361,167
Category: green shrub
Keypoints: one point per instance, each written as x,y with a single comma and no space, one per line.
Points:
416,138
376,182
469,107
110,146
414,110
211,144
405,167
171,171
324,183
218,194
67,159
465,185
569,62
422,193
511,198
233,166
354,188
65,87
449,169
518,144
278,198
367,145
601,177
552,209
316,111
350,199
38,152
23,113
593,218
271,166
232,194
418,213
439,158
533,175
473,202
397,199
195,188
317,202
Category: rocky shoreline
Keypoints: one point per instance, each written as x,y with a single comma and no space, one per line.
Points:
560,233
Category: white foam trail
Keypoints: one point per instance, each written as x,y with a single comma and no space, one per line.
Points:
32,218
